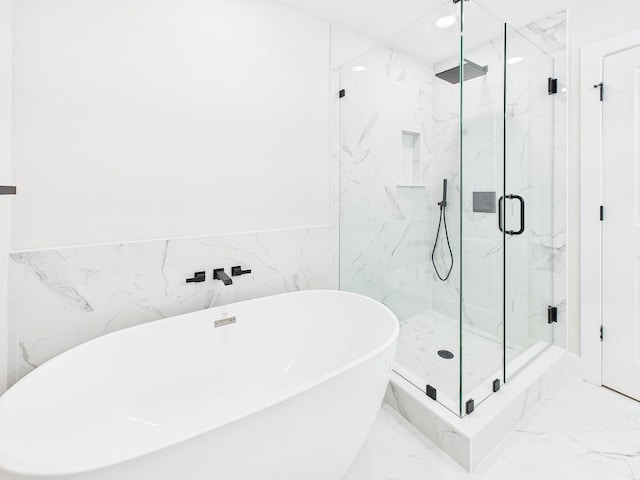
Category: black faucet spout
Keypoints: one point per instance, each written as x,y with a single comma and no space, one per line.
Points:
218,274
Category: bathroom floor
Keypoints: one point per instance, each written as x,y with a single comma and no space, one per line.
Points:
423,335
578,431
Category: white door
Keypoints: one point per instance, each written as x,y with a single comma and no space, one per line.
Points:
621,225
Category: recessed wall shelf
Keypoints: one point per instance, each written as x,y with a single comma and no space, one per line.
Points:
410,185
410,162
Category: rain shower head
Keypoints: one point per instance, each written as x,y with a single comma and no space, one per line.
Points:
471,70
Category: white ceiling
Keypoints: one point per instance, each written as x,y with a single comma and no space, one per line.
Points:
380,19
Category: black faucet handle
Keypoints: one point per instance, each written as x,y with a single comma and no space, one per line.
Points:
197,277
237,271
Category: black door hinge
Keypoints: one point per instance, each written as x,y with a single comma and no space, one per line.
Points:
552,314
342,93
601,213
601,333
552,86
601,87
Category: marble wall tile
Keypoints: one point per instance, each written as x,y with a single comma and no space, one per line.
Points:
384,226
550,34
61,298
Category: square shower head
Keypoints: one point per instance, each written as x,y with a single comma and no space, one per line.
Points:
471,70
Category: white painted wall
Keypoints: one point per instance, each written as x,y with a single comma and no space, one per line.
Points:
5,176
590,21
142,119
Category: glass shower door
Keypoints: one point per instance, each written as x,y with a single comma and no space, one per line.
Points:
527,205
482,184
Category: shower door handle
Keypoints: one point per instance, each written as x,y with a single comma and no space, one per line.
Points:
500,216
500,203
521,200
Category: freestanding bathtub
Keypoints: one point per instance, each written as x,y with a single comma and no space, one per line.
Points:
287,392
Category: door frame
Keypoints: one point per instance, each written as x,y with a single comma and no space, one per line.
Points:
591,73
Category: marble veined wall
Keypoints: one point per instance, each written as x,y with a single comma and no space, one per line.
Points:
60,298
550,33
385,231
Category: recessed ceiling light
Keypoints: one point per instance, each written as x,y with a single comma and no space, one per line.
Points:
358,68
514,60
445,22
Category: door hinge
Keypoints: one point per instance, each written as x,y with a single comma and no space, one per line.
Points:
601,87
552,86
601,333
552,314
342,93
601,213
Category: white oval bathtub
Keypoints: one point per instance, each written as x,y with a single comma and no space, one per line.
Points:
288,391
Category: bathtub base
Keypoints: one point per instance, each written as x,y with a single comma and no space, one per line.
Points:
469,440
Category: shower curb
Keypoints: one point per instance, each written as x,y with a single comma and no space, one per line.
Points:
471,439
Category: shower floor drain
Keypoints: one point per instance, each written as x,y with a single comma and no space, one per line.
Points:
445,354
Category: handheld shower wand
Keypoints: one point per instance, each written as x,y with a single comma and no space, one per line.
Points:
443,203
442,221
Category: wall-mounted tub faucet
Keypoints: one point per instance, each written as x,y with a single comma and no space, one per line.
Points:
218,274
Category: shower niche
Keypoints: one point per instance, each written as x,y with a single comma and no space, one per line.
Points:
469,96
410,160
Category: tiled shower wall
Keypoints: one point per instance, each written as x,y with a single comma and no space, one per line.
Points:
385,231
63,297
551,34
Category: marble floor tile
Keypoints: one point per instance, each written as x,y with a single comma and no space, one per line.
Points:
578,431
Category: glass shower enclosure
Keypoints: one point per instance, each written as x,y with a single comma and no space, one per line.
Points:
446,149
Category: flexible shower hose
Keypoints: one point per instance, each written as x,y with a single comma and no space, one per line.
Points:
442,221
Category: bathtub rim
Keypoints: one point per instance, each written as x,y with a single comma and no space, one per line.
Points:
10,465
